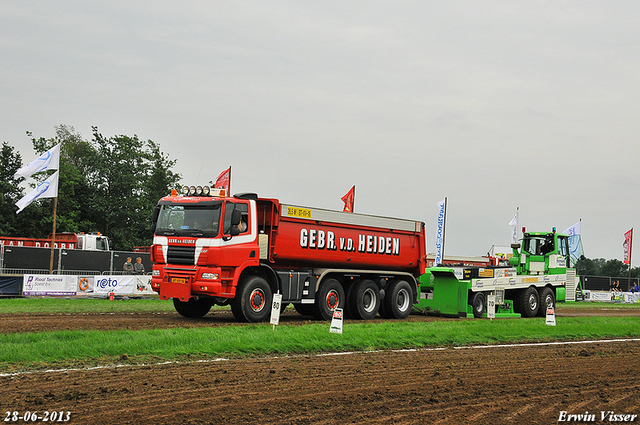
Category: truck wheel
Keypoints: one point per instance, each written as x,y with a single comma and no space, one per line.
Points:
397,301
528,302
192,308
479,304
547,299
365,300
329,297
305,309
253,299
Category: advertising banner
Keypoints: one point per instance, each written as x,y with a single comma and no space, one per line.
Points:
122,285
39,284
601,296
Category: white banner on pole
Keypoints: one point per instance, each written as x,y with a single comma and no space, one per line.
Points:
50,160
46,189
514,228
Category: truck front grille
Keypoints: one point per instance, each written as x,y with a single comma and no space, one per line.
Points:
181,255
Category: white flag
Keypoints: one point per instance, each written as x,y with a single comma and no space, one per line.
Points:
46,189
573,230
50,160
514,228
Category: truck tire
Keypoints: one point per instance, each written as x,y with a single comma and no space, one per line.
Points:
365,300
253,299
305,309
192,308
329,297
479,304
547,299
528,302
397,302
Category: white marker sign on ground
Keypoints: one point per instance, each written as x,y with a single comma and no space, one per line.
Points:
551,316
336,321
491,306
275,309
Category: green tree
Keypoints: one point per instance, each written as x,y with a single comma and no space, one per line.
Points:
10,192
131,175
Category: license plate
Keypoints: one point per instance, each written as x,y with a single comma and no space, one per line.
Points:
178,280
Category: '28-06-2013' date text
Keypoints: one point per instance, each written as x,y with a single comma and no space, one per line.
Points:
46,416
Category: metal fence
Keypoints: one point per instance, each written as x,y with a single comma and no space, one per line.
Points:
20,272
604,283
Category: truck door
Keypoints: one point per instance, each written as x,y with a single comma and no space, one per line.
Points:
241,245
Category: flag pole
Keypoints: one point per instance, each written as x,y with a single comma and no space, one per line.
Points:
53,235
353,207
229,194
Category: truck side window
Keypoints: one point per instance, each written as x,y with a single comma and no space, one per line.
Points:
244,222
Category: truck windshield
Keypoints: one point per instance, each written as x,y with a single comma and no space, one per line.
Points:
538,245
189,220
102,244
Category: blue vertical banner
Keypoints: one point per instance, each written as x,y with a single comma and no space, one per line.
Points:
442,211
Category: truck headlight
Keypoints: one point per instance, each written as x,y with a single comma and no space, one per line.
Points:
210,276
155,272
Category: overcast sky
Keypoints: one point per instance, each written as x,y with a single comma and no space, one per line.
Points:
494,104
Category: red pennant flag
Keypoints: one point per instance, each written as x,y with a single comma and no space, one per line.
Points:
349,200
224,180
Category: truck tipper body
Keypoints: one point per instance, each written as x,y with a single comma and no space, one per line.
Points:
243,249
539,274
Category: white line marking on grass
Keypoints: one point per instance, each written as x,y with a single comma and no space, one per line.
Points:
539,344
343,353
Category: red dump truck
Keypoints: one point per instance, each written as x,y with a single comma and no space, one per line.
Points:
211,249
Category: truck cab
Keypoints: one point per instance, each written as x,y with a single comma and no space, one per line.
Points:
541,253
93,242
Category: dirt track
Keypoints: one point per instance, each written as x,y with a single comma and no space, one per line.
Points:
451,386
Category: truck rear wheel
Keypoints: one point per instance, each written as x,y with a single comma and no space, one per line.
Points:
252,302
547,299
528,302
329,297
397,302
364,300
192,308
479,304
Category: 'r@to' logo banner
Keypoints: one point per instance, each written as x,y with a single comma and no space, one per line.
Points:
107,283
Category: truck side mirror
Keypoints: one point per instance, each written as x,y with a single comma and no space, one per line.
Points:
154,219
236,217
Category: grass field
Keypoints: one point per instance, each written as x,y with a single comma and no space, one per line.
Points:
37,350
